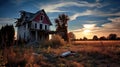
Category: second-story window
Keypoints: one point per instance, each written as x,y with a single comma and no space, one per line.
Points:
41,17
40,26
35,25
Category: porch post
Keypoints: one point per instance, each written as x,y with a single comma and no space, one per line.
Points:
36,35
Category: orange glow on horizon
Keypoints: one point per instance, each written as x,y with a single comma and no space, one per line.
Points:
90,34
86,31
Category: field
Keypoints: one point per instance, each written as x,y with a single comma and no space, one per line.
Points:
87,54
96,53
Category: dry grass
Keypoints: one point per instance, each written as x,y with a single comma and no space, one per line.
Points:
23,57
55,42
94,53
88,54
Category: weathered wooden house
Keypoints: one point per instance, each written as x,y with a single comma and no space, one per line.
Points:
33,27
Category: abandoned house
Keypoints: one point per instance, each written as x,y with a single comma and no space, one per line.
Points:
33,27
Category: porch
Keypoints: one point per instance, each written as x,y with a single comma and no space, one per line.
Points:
38,35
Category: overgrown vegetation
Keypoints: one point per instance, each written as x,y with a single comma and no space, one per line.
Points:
88,54
55,42
7,36
47,54
62,25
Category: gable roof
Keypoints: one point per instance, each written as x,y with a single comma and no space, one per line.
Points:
33,17
46,19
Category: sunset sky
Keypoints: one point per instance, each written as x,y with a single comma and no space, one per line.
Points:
87,17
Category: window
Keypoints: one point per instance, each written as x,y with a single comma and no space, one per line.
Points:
45,27
41,17
35,25
29,25
40,26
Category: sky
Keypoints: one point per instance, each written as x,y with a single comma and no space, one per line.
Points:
87,17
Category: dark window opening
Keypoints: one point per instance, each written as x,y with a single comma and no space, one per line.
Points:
40,26
35,25
41,17
29,25
45,27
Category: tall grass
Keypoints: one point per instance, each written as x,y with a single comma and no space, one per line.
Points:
25,57
47,55
55,42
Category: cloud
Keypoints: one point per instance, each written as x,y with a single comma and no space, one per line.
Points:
85,13
109,14
112,27
54,7
89,26
92,27
7,20
92,21
86,31
115,24
116,20
4,21
93,12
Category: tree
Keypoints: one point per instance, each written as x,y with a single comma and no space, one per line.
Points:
112,37
103,38
80,39
84,38
62,25
95,37
118,38
71,36
7,35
